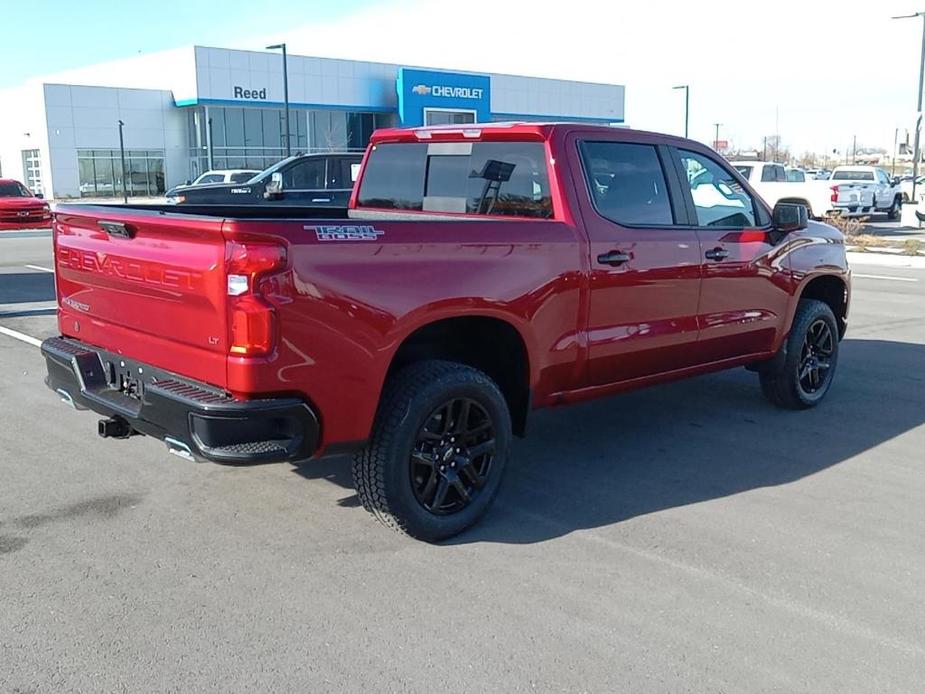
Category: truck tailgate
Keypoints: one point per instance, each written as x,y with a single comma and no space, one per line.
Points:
145,284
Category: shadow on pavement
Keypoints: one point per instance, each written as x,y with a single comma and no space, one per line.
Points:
603,462
24,287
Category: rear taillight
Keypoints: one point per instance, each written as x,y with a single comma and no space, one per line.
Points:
250,267
834,197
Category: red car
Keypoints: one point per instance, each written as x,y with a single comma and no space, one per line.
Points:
20,208
481,271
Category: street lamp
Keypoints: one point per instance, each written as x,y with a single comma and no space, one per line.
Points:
122,155
687,104
918,109
716,138
285,91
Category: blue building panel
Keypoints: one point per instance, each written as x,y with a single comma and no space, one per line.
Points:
423,89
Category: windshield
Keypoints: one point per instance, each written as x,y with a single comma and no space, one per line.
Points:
12,189
849,175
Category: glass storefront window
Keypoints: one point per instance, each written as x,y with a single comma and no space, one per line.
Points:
245,137
100,172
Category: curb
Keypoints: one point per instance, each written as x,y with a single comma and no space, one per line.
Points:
886,260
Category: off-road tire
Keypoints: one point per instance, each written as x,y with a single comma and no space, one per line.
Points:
780,377
381,471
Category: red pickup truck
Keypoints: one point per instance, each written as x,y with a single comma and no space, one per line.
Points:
480,272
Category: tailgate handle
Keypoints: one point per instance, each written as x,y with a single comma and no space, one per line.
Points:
120,229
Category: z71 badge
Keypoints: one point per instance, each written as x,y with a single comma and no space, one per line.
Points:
345,233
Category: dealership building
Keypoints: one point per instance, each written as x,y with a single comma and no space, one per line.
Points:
188,110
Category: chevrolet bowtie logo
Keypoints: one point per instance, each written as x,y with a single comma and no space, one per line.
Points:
420,89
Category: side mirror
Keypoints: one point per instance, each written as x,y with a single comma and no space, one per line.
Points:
896,180
188,182
788,217
274,188
40,196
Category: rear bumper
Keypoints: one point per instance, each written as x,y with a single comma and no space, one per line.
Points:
194,419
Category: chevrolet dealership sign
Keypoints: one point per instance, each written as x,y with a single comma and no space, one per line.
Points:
420,89
450,92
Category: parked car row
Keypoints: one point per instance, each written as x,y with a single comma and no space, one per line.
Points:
849,191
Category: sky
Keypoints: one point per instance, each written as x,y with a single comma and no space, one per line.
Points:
818,72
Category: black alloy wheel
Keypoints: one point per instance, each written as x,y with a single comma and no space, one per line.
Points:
452,456
816,357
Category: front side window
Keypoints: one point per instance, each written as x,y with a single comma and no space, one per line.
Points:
795,176
627,183
307,174
482,178
719,200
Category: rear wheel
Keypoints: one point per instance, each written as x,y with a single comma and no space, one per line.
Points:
801,374
437,454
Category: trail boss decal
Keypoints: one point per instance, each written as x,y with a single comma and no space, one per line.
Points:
345,233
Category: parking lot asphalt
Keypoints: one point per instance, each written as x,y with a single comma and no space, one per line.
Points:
688,537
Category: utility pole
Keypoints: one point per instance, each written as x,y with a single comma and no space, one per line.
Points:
918,109
854,151
122,154
895,147
285,93
687,104
716,137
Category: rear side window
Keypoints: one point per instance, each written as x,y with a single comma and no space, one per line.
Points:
773,173
627,183
242,177
486,178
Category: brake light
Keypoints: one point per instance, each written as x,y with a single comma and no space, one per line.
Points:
252,318
834,197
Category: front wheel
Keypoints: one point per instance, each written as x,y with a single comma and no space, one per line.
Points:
437,453
800,375
893,212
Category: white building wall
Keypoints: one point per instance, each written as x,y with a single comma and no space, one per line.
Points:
22,127
83,117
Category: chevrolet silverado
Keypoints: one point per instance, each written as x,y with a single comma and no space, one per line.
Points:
480,272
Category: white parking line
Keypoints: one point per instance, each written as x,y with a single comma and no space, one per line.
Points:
39,268
884,277
28,339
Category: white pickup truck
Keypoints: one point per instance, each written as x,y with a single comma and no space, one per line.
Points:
887,193
822,198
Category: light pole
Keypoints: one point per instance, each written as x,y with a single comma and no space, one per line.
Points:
918,108
716,138
687,104
282,46
122,155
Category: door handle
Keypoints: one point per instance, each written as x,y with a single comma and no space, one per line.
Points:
613,258
717,254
